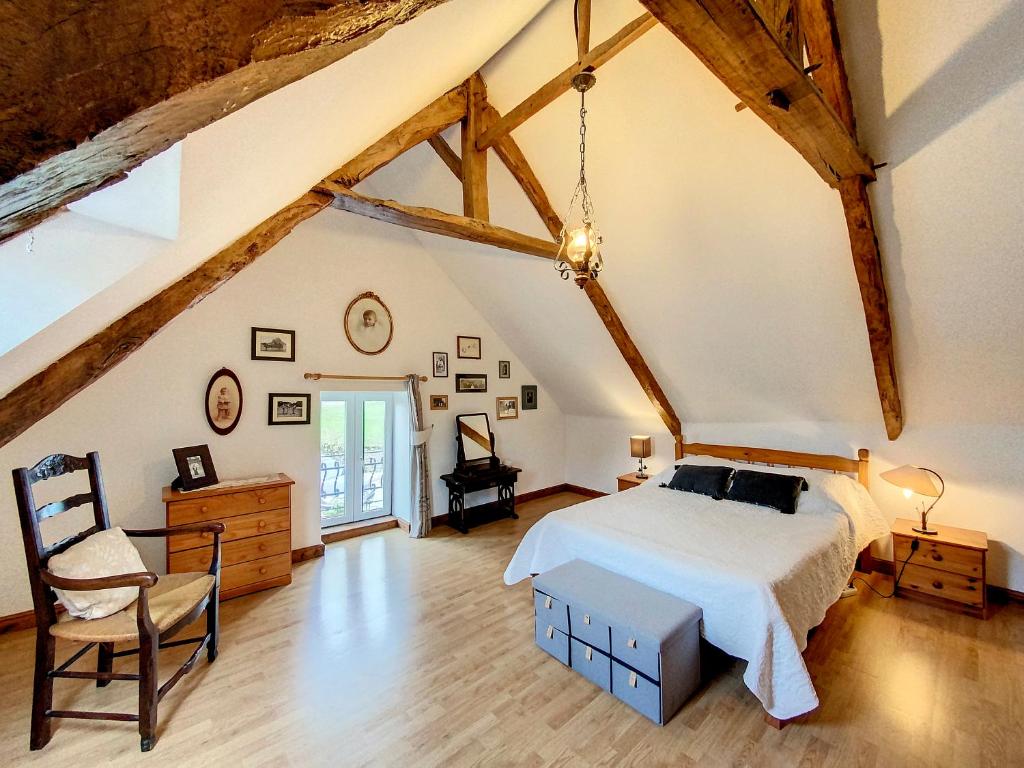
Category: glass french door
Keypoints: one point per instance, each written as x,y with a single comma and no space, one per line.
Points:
356,436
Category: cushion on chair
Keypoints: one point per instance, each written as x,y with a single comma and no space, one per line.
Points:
171,598
104,553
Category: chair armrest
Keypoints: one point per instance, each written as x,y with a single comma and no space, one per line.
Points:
143,579
214,527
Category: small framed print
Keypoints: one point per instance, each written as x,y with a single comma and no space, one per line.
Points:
195,467
470,382
440,365
468,347
288,408
223,402
504,369
507,407
439,402
273,344
529,397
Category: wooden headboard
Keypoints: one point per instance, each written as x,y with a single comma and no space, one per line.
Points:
858,466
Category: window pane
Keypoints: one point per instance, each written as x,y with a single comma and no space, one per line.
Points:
332,462
374,431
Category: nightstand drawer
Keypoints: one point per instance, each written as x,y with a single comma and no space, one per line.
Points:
944,557
968,590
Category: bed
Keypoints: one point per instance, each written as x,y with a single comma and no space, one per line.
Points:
762,578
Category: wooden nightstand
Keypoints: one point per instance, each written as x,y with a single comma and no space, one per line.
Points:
948,569
630,480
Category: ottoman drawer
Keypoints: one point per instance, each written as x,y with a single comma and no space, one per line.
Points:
634,689
550,610
553,641
589,629
640,653
592,664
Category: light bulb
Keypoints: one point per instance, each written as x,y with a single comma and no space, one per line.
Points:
907,493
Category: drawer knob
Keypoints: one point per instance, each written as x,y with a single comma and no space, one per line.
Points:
260,499
937,584
204,509
936,557
547,603
261,524
631,643
263,570
590,653
262,547
206,534
550,632
632,679
586,618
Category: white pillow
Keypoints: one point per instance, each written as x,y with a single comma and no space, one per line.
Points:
105,553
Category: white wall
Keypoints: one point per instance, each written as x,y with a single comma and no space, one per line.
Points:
153,401
980,464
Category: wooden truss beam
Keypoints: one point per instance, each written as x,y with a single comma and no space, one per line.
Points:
732,40
437,222
447,154
562,82
91,90
474,161
583,29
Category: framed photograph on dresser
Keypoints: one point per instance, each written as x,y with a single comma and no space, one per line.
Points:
195,467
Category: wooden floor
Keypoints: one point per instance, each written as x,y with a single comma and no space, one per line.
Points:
399,652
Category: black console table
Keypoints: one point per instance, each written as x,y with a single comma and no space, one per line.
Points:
460,483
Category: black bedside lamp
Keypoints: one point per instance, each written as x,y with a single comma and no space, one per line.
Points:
640,448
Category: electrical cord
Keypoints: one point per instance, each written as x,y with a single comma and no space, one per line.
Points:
913,548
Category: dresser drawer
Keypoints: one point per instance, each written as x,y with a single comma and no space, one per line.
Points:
552,641
637,652
550,610
589,629
591,663
228,505
636,690
255,570
231,553
945,557
240,527
968,590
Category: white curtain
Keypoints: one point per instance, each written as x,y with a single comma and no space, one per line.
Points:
422,509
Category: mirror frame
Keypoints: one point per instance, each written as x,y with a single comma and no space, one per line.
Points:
487,460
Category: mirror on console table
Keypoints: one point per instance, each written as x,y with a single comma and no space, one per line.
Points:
477,468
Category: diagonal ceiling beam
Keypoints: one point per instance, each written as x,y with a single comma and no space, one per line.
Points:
562,82
437,222
447,154
732,40
90,90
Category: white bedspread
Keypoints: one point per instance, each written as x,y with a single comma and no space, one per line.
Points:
763,579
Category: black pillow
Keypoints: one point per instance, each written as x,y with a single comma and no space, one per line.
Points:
709,481
764,489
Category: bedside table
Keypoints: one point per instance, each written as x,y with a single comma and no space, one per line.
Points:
630,480
948,569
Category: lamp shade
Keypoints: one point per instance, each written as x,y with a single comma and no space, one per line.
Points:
912,478
640,446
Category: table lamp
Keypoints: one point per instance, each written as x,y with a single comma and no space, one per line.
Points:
640,448
917,480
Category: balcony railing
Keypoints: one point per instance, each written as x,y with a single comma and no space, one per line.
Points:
332,485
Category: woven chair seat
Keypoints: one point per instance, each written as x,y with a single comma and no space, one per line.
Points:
171,598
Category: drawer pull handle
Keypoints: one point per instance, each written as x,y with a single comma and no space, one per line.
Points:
263,570
547,603
937,584
260,499
631,643
590,653
586,618
263,547
204,509
632,679
971,588
261,524
551,632
936,557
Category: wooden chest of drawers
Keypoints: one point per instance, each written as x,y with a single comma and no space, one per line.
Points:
256,546
947,569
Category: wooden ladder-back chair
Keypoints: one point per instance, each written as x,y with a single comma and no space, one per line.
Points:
166,604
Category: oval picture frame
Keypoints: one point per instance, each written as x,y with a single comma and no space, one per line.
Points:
360,339
223,378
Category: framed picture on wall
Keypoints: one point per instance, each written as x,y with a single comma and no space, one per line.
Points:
529,397
288,408
468,347
507,407
439,402
273,344
223,401
470,382
368,324
440,365
504,369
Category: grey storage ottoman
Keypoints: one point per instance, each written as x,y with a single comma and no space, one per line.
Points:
640,644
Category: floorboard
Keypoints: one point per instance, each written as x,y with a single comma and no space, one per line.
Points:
398,652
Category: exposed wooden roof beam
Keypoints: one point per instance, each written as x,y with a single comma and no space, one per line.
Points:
447,154
562,82
445,110
42,394
732,40
437,222
782,19
474,161
126,90
583,29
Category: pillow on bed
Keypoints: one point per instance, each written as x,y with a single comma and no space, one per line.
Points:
708,481
781,492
